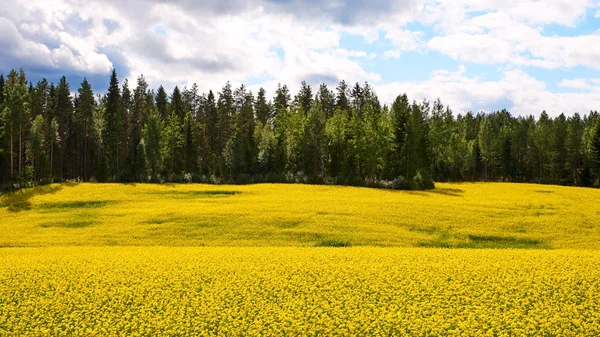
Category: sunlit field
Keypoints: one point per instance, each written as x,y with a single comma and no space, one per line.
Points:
485,259
481,215
266,291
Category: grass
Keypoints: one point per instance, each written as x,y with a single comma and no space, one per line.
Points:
480,215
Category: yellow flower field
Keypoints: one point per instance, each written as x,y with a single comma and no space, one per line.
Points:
481,215
125,260
265,291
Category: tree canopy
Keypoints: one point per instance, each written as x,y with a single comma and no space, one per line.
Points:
341,136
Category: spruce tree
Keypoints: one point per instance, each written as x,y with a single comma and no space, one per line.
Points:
177,106
595,154
15,115
400,118
225,112
262,108
304,99
126,116
211,131
281,101
140,107
112,156
153,144
341,98
162,102
575,130
326,98
85,112
3,141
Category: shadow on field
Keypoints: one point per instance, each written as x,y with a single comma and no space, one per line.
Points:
69,205
447,240
69,224
452,192
197,194
20,200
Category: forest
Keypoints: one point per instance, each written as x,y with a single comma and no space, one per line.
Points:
340,135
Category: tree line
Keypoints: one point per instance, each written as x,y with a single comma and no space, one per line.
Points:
320,135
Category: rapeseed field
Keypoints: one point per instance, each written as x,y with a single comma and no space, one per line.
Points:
462,260
480,215
291,291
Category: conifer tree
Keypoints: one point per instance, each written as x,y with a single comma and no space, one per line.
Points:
262,108
162,102
281,102
341,99
112,132
177,106
85,112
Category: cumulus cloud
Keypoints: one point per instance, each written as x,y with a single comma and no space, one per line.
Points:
267,42
516,91
511,32
578,83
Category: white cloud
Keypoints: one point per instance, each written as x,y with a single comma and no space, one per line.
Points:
516,91
578,83
511,32
211,42
390,54
403,41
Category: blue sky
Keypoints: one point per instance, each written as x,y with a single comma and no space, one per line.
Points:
522,55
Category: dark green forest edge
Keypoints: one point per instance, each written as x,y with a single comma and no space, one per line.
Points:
342,136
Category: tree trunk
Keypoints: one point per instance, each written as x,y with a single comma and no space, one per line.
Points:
20,149
52,161
12,155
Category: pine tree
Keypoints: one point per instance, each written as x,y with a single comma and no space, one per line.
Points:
304,99
487,144
127,119
281,102
400,118
177,106
336,129
212,131
16,111
36,144
262,108
173,138
153,142
140,108
225,112
314,142
40,100
560,173
326,98
141,163
4,162
595,154
190,135
162,102
246,148
341,99
575,130
357,97
544,146
112,131
85,111
1,89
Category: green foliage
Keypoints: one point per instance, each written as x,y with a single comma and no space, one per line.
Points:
344,136
113,127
